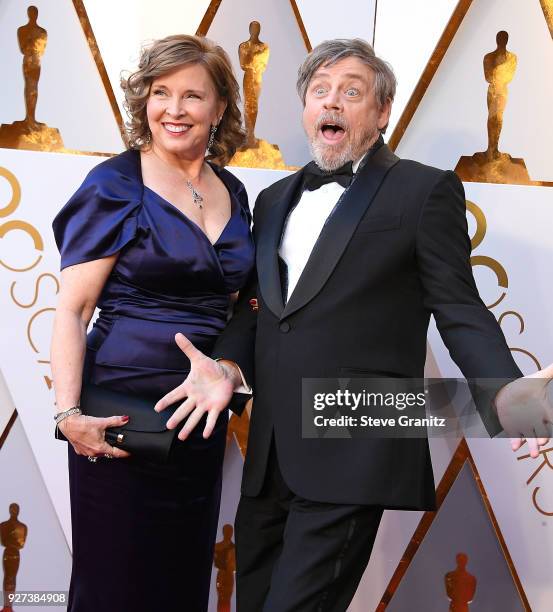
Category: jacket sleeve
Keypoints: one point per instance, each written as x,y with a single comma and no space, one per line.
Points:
469,330
237,341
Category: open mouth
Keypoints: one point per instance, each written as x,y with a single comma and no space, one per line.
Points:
176,128
332,132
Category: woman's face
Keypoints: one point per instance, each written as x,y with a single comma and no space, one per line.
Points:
182,106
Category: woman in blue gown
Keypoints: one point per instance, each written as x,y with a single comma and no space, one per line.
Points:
158,239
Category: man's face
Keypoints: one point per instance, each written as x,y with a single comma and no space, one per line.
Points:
342,117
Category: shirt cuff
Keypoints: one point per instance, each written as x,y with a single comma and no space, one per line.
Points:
244,387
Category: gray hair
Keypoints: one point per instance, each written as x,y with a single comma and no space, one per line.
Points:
330,52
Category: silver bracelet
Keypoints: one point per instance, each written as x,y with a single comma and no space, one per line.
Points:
60,416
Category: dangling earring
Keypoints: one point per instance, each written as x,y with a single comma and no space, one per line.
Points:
212,131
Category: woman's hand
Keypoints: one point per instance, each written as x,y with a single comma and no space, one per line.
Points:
87,434
81,286
208,388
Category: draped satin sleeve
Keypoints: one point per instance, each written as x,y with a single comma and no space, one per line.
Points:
100,219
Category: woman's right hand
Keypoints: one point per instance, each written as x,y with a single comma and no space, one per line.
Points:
87,435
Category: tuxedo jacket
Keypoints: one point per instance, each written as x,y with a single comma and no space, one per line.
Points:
395,251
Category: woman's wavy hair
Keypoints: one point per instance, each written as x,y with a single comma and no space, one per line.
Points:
167,54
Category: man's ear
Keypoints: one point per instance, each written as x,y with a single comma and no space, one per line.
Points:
384,115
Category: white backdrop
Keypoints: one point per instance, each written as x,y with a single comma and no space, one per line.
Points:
450,122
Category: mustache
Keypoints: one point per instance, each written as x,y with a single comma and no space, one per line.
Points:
331,118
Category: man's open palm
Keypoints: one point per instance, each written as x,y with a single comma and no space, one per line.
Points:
206,389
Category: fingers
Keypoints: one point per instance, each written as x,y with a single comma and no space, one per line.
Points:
175,395
106,451
533,447
114,421
181,413
99,447
188,348
212,417
116,453
192,421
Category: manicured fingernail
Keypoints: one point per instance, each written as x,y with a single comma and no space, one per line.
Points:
125,417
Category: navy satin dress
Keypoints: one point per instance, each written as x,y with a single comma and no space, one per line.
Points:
143,534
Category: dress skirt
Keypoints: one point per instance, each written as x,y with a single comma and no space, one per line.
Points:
144,533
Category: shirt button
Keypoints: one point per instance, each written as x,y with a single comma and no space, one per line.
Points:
285,327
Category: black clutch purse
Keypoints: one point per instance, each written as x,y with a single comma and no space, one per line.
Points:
145,435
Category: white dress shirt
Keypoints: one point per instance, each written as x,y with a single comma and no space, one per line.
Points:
304,225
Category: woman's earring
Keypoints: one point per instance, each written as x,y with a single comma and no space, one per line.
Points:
212,131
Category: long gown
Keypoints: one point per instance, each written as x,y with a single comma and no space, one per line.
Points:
143,534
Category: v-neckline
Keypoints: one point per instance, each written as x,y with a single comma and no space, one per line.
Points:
182,213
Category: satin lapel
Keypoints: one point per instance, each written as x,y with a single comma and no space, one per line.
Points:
338,231
268,241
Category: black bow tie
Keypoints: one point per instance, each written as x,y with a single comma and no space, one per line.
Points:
314,177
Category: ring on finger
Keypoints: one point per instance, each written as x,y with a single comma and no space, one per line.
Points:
109,455
92,459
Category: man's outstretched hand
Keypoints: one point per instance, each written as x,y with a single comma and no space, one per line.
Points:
208,388
525,410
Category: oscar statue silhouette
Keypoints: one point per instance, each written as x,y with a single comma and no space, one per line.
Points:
225,562
30,133
13,534
254,56
460,586
493,166
256,152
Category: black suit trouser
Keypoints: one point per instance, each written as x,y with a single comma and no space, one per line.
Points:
298,555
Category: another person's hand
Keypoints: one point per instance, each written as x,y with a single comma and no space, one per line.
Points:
208,388
87,435
525,410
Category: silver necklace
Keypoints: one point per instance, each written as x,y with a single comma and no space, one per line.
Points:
197,197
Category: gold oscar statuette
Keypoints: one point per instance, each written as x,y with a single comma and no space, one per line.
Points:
13,534
460,586
30,133
256,152
254,56
225,562
491,165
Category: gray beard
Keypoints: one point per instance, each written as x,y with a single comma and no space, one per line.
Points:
329,160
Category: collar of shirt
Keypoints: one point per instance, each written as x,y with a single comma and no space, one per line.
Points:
305,221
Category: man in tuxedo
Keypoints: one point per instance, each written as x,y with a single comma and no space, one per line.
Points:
355,251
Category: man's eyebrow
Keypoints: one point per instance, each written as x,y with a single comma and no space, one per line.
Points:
354,75
347,75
